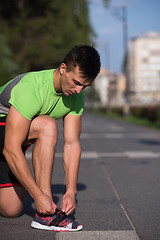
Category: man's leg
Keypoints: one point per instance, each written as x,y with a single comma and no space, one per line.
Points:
12,193
43,131
11,201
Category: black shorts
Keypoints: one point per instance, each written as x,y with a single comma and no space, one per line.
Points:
7,178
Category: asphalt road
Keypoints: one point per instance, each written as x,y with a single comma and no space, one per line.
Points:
118,186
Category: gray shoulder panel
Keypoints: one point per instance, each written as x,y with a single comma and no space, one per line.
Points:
6,93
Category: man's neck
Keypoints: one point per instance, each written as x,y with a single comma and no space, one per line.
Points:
56,81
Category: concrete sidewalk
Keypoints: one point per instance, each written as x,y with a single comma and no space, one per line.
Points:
118,185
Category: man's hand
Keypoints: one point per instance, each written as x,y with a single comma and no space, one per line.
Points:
45,205
69,203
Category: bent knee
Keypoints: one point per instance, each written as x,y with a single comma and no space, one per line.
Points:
49,128
11,211
11,201
43,128
43,125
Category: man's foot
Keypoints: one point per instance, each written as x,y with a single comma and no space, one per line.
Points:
58,222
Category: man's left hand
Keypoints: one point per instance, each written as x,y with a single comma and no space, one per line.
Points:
69,203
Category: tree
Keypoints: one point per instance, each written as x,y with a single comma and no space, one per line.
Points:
91,94
8,69
40,32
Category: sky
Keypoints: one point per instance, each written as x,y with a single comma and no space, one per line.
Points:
142,16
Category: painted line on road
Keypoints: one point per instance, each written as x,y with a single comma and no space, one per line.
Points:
139,136
132,154
142,154
94,155
128,154
98,235
102,135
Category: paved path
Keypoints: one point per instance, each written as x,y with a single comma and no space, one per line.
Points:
118,186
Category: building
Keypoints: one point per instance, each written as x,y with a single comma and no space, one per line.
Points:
110,88
143,69
102,85
117,87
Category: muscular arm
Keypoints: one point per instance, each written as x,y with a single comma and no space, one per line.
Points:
16,131
71,159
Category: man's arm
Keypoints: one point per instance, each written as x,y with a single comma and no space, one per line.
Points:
71,159
16,131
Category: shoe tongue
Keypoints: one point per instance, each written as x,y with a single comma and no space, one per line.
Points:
60,213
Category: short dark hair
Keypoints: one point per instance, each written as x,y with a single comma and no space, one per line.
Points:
86,58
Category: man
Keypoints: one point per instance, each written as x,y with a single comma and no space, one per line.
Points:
32,102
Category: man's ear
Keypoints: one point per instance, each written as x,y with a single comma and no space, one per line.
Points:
62,68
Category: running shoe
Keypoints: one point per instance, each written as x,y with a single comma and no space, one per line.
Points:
58,222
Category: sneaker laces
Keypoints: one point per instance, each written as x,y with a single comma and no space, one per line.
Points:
59,216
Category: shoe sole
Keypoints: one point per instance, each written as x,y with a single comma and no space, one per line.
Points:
53,228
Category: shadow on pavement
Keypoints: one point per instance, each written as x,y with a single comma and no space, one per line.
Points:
150,142
56,189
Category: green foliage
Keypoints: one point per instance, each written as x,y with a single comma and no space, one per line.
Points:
117,113
8,69
146,112
40,32
91,94
143,115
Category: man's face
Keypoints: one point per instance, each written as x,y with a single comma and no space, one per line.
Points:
72,82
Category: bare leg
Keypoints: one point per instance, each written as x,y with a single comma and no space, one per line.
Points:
43,131
11,201
43,152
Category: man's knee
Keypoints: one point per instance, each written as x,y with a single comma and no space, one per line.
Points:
49,130
50,126
11,201
11,211
43,127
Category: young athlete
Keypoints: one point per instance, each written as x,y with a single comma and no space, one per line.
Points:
29,106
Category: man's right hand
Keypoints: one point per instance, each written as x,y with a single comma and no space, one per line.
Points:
45,205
